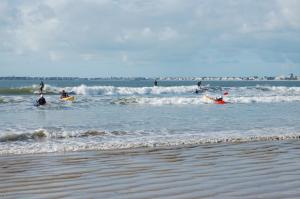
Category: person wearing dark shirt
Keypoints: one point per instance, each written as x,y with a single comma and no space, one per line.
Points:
199,88
41,86
41,100
199,84
64,94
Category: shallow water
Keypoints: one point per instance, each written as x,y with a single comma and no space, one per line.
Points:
265,169
128,139
114,115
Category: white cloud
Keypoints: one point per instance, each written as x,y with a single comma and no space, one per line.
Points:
290,11
55,56
168,34
154,32
32,29
88,56
3,8
125,58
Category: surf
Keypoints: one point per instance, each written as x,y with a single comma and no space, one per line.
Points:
43,141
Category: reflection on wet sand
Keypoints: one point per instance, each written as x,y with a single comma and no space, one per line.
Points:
245,170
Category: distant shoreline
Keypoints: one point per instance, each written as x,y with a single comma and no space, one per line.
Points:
255,78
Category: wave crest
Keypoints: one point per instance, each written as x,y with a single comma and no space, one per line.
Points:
112,90
86,144
12,137
42,134
158,90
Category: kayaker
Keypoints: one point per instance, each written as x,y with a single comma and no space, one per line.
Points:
64,94
41,100
220,98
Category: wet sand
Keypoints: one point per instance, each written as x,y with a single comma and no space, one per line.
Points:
266,169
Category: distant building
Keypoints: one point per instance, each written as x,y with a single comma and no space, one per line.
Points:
292,77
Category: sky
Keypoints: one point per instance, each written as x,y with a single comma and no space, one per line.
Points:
150,38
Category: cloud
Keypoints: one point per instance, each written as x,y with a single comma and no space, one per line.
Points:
289,9
87,56
125,58
55,56
154,32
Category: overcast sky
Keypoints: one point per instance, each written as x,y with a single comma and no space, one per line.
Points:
89,38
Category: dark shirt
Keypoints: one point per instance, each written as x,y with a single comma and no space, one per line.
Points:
64,95
42,86
199,83
42,101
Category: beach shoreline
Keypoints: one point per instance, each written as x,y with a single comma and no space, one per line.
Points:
266,169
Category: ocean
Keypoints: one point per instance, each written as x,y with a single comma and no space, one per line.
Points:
130,139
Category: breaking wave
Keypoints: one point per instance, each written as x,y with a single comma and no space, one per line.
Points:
99,90
112,90
2,101
44,134
161,100
202,100
172,95
173,90
17,91
28,90
41,141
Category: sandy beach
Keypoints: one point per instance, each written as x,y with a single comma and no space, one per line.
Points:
149,99
241,170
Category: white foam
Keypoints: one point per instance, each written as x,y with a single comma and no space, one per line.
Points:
112,90
137,139
202,100
173,95
263,99
161,100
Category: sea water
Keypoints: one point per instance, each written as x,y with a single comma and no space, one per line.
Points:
131,114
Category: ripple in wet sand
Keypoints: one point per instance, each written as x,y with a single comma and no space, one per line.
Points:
245,170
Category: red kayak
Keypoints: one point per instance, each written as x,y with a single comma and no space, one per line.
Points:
216,101
219,101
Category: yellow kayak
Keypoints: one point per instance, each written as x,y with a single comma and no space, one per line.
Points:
70,98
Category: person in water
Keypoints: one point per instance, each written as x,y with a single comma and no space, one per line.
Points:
199,84
199,88
155,83
64,94
41,86
41,100
220,98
